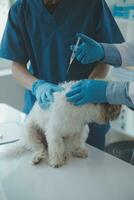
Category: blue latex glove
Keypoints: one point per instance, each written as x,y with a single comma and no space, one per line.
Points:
43,92
87,91
89,51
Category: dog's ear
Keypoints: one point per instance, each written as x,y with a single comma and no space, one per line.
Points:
110,112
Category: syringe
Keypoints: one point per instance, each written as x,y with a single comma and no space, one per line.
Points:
73,54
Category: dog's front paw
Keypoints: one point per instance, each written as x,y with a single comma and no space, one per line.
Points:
80,153
38,157
56,161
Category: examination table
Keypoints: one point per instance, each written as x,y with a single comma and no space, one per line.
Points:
99,177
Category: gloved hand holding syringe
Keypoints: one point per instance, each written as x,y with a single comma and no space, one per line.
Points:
73,53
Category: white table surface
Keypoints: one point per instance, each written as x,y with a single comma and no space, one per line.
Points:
99,177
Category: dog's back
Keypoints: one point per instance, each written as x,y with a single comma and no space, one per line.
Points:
65,112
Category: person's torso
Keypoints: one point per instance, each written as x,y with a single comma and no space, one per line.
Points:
48,37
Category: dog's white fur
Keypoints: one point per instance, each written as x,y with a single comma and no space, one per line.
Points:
63,126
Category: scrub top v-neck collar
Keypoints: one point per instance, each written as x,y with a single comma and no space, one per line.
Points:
59,14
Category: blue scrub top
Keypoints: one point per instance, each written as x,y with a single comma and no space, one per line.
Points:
33,34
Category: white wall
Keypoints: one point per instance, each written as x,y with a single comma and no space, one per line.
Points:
4,7
10,92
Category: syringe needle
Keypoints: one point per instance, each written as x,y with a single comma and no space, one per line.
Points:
69,67
73,54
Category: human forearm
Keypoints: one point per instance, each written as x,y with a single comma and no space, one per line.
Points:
126,51
112,55
118,93
119,55
90,52
22,75
96,91
100,71
42,90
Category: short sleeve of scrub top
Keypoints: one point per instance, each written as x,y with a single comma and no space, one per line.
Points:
12,46
107,30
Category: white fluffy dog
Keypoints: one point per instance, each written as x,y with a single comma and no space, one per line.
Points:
62,129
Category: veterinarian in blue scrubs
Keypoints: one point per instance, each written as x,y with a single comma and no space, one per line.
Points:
41,32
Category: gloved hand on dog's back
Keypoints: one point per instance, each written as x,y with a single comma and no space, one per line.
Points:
89,51
43,92
87,91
